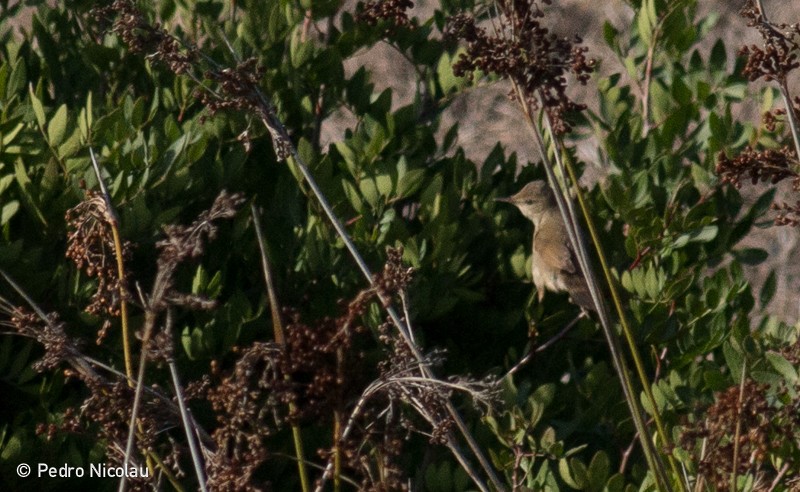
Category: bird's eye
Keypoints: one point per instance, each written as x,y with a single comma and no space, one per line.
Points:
529,202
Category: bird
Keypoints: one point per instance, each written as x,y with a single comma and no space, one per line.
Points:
554,266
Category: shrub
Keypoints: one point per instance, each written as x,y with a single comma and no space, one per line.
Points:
184,189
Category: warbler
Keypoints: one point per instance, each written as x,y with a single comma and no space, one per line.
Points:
554,266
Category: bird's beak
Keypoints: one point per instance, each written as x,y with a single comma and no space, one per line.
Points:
506,199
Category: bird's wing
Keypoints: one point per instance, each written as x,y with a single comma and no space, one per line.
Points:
549,243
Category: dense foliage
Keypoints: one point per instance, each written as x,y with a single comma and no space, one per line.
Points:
205,118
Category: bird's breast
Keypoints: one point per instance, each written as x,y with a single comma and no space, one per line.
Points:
547,278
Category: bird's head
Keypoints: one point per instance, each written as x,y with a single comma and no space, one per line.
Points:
534,199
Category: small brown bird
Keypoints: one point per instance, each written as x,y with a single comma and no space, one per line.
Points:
554,265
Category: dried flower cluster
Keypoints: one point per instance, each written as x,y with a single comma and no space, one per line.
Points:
395,277
106,412
142,37
773,61
90,245
792,353
108,409
427,396
239,87
317,373
243,404
183,243
770,119
773,165
394,11
524,51
49,333
787,214
779,54
764,428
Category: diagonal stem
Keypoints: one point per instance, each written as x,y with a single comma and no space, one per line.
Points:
113,220
280,339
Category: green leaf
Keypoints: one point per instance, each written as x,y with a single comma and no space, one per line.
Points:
38,109
610,34
762,204
89,115
544,394
734,359
70,146
214,286
599,469
652,14
12,448
704,234
57,126
369,190
644,27
766,377
768,94
384,185
200,280
192,341
353,196
719,57
784,367
8,211
8,136
768,289
702,178
627,281
5,181
26,187
447,79
616,483
410,183
300,51
751,256
651,283
719,131
574,473
660,101
19,75
349,156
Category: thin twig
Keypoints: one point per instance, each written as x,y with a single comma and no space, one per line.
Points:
185,418
648,72
541,348
137,398
738,431
700,479
779,476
